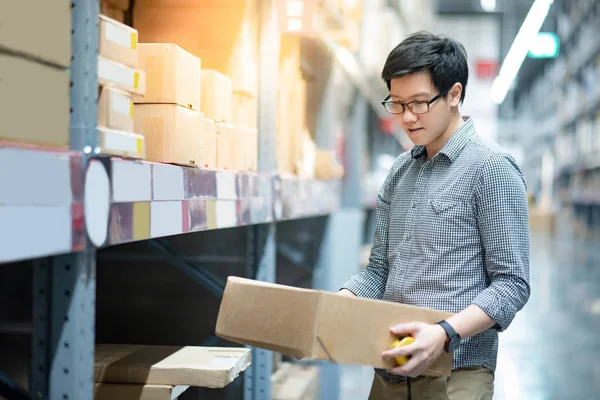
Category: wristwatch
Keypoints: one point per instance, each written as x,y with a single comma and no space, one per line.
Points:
453,337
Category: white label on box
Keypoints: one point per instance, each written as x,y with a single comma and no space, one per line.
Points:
121,104
223,361
118,141
118,34
114,72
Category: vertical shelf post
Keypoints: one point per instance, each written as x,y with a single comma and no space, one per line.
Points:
65,286
257,381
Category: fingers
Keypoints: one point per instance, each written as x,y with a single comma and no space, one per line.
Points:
400,351
406,329
413,368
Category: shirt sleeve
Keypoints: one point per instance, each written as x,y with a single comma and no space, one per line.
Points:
372,280
503,222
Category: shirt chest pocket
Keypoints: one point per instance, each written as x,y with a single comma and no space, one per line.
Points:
446,219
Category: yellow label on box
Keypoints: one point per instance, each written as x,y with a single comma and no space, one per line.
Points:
136,80
134,40
131,109
140,145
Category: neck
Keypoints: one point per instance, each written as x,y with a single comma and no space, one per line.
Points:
435,146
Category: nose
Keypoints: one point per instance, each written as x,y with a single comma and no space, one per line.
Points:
408,116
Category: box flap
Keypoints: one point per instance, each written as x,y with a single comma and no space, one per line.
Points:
210,367
357,331
269,316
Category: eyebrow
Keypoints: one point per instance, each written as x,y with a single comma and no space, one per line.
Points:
421,94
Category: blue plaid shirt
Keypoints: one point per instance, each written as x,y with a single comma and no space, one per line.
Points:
453,231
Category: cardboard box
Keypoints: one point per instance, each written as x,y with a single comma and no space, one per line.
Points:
224,34
121,76
316,324
173,133
120,143
225,140
209,144
244,110
295,382
115,391
245,149
118,42
34,102
122,5
211,367
172,75
112,12
115,109
41,29
216,102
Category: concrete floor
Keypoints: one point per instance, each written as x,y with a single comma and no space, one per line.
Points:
552,349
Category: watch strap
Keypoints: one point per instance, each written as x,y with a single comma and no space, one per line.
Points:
453,336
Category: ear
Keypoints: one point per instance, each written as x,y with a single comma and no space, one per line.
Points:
455,93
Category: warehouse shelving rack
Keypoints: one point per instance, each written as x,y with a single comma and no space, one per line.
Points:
59,208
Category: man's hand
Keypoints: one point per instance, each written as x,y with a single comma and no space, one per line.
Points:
428,346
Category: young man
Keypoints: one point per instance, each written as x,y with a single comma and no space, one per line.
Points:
452,229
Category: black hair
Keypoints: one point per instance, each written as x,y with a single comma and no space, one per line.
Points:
444,58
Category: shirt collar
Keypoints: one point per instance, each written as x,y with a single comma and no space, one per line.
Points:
455,145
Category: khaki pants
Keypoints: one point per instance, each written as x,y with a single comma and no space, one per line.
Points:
464,384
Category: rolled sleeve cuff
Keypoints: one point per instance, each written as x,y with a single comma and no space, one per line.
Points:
361,288
490,304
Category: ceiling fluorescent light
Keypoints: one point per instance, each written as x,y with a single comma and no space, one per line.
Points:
518,50
488,5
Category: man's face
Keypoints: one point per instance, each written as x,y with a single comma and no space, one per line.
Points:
422,129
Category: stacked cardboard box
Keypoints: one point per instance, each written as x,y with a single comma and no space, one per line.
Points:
119,79
124,372
35,52
114,9
169,114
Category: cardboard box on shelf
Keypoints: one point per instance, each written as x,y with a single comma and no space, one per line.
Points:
116,391
173,133
122,5
209,144
223,34
115,109
41,29
316,324
121,76
118,42
225,141
295,382
172,75
245,109
211,367
121,143
34,101
216,102
112,12
245,149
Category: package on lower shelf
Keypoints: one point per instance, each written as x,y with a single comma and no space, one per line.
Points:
118,42
245,149
209,144
121,143
225,142
210,367
116,391
172,75
41,29
121,76
216,102
173,133
115,109
35,102
317,324
295,382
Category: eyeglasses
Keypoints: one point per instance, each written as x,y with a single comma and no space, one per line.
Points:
415,107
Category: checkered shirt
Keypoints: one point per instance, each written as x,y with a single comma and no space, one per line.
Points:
451,232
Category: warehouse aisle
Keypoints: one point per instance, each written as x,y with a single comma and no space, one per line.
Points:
551,350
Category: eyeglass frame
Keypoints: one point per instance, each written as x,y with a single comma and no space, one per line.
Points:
405,106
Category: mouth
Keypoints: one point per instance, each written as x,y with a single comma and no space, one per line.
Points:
415,131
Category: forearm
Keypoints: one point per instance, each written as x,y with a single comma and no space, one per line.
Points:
471,321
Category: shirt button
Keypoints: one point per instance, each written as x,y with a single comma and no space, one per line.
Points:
407,237
414,204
